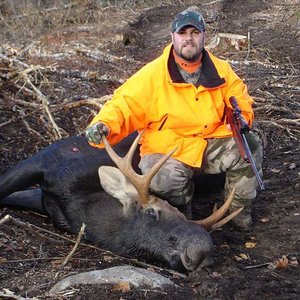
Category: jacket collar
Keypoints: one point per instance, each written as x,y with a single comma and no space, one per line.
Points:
209,76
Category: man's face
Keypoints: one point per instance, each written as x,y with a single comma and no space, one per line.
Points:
188,43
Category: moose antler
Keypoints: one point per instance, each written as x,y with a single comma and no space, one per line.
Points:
215,221
140,182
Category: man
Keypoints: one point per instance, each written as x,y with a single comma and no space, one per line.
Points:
179,99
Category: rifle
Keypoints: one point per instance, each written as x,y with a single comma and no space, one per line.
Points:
239,129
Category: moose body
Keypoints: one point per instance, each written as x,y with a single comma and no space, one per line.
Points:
71,193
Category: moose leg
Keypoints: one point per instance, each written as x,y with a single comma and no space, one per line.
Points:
28,200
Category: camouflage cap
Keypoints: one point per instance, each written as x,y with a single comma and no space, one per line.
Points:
187,18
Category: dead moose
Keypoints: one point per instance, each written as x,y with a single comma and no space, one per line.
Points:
117,210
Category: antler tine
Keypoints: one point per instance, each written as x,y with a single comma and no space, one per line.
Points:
140,182
226,219
126,161
218,214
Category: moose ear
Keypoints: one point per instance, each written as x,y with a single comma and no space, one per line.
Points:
116,184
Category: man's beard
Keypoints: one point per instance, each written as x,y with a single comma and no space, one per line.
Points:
190,57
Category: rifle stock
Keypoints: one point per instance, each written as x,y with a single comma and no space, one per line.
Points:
239,129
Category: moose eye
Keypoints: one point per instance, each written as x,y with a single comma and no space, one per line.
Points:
173,239
151,213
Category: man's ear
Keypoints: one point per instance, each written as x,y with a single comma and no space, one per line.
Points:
172,37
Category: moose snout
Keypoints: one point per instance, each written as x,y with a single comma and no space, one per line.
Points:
197,256
192,249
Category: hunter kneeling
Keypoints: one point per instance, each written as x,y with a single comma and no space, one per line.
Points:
179,100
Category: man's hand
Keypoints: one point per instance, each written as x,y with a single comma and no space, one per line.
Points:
95,132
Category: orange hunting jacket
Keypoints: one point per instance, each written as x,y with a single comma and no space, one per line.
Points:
172,112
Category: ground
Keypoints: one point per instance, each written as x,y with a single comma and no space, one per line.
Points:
55,65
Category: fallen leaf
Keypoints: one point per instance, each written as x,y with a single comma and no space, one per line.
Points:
244,256
250,245
281,263
292,166
237,258
216,275
123,286
2,260
241,256
108,258
275,170
265,220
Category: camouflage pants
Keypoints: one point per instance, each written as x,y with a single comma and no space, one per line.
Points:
173,181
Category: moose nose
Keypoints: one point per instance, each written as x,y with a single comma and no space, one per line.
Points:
196,257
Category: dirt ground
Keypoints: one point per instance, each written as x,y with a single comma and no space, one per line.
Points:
91,52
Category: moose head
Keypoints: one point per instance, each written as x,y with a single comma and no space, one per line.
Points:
132,190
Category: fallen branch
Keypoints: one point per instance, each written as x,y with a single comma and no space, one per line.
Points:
89,75
295,122
23,74
7,294
12,61
98,102
27,104
256,266
277,124
285,86
29,129
273,108
255,62
13,119
34,230
212,2
32,131
39,11
45,103
282,263
100,55
67,259
16,261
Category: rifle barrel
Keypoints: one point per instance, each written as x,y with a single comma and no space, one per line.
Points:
249,158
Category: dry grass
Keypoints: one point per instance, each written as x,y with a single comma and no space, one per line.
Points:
22,21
